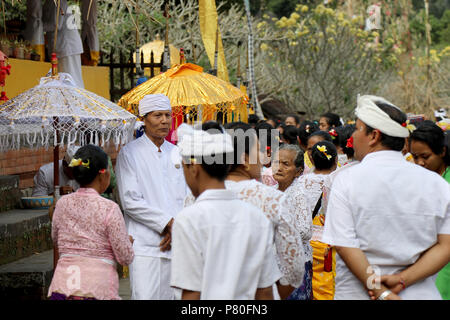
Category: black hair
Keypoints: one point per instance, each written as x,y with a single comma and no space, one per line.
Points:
212,125
393,143
290,134
276,121
97,159
306,129
296,118
253,119
433,136
333,119
232,125
344,133
269,131
320,159
325,135
237,132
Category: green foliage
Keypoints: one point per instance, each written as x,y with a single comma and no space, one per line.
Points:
440,28
437,7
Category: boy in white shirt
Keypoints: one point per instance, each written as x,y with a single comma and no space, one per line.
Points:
222,247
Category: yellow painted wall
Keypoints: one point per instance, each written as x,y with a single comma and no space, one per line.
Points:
26,74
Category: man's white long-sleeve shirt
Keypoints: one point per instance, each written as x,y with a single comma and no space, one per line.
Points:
151,190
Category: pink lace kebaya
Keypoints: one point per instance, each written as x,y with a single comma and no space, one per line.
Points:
91,236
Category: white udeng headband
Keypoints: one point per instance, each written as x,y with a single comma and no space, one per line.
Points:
369,113
201,143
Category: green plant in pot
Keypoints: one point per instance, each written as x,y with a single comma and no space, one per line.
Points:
27,53
19,49
27,50
5,46
34,55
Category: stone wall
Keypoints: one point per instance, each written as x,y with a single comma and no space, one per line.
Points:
26,162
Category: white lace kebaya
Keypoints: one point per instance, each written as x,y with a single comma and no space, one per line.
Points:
287,220
305,191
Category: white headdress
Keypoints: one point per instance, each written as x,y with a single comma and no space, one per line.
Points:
198,143
154,102
369,113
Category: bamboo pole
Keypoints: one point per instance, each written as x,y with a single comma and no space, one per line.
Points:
428,35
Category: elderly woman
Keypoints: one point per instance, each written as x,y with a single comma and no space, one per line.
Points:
284,215
319,278
288,167
287,216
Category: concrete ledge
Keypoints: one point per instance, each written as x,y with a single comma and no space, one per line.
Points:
28,278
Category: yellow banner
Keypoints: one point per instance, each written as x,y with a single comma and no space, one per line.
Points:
208,25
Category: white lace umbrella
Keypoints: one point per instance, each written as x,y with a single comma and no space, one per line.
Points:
57,113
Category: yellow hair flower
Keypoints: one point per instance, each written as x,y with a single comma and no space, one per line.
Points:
324,150
85,164
410,126
75,162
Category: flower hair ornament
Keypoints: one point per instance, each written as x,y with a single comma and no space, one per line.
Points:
333,134
409,126
307,128
79,162
349,142
324,150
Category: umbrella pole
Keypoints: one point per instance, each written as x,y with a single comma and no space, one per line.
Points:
56,193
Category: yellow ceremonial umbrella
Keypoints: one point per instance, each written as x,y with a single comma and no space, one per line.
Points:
157,46
193,94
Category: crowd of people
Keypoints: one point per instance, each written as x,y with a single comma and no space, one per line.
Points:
295,210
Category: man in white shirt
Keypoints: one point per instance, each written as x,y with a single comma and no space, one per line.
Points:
152,190
222,246
386,215
44,178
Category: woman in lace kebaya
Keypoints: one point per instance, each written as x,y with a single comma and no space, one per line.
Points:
90,234
288,166
324,157
287,218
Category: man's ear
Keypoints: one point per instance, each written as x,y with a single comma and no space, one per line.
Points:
375,137
194,170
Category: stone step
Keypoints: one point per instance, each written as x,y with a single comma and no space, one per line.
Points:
28,278
24,232
9,193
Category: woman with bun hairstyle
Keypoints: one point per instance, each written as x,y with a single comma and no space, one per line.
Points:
89,233
324,157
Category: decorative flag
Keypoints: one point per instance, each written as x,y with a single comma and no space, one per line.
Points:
208,26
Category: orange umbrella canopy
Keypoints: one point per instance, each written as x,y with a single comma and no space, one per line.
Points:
189,90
